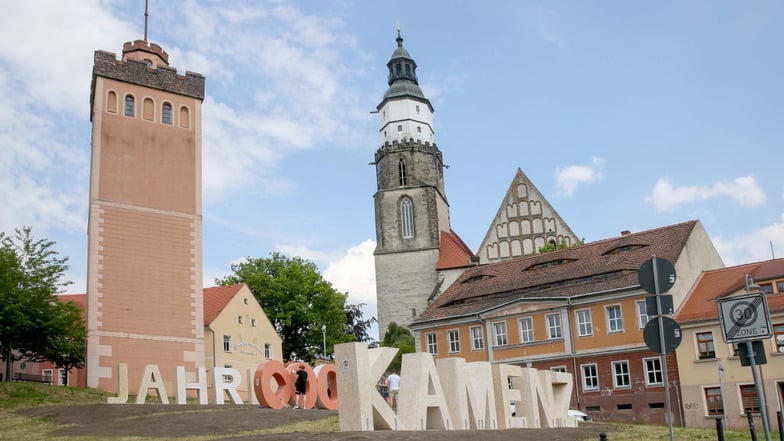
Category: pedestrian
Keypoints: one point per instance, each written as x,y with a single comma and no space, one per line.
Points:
393,386
299,386
382,388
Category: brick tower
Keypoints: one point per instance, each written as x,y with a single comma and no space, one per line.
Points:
144,277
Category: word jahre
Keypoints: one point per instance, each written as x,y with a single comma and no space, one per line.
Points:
449,394
273,385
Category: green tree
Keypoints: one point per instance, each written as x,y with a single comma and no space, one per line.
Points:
299,302
33,324
398,337
551,246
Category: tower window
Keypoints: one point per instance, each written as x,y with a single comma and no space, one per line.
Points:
417,109
401,172
166,113
407,218
399,128
419,129
111,104
129,105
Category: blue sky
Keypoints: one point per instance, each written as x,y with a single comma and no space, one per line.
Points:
626,115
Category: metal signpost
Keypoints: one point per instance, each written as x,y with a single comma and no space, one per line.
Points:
744,319
657,276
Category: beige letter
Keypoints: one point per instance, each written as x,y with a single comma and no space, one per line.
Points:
422,404
230,387
151,379
200,385
122,385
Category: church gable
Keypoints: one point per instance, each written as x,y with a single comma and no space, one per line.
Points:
525,222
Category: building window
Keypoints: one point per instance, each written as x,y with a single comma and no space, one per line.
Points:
748,396
499,328
226,343
399,128
267,351
417,109
111,102
554,326
705,348
185,117
477,340
713,402
778,337
454,341
766,288
614,319
401,172
407,218
590,377
584,324
558,369
166,113
526,330
642,314
63,377
129,105
253,322
432,344
621,377
653,371
239,319
419,129
780,286
227,378
47,376
148,109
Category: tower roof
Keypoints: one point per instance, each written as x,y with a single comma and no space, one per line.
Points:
402,80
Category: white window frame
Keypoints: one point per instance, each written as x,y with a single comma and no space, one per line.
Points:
227,343
594,375
499,333
616,375
477,338
552,328
407,218
526,333
642,314
581,324
558,369
267,351
648,372
47,373
432,343
614,324
62,377
453,338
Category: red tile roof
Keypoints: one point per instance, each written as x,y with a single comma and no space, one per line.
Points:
700,302
590,268
216,298
453,252
79,299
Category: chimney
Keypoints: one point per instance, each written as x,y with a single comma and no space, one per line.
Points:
625,233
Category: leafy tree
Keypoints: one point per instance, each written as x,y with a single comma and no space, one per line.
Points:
33,324
398,337
299,302
551,246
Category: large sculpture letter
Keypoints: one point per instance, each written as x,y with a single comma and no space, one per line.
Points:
200,385
423,404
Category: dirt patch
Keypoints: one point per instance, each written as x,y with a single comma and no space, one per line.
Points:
219,422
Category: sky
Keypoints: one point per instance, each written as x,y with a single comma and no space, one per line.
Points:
625,115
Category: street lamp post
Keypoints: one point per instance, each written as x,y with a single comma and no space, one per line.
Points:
324,334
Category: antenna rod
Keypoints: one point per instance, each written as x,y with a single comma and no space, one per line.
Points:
145,19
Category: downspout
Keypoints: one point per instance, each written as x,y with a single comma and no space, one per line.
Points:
213,346
574,355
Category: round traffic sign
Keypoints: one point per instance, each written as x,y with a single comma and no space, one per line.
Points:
672,335
665,275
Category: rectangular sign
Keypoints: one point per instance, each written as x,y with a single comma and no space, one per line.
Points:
744,318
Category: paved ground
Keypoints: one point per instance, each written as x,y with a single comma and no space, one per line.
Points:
230,422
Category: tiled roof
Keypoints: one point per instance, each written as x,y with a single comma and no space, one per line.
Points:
453,252
700,302
595,267
216,298
79,299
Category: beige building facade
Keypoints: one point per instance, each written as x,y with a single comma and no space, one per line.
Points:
237,335
144,281
714,384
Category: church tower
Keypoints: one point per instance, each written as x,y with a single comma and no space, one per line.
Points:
410,203
144,279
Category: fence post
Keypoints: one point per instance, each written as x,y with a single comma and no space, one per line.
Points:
781,425
602,436
752,429
719,429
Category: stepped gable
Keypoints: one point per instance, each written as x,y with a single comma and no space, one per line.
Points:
591,268
700,302
453,252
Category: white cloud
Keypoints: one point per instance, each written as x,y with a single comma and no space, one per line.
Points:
753,246
569,177
744,190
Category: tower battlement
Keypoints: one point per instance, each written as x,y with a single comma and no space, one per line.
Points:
139,72
411,144
145,46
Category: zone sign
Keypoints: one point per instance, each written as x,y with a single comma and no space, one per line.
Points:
744,318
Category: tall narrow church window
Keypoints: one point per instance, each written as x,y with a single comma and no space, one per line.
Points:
185,117
148,109
129,105
406,218
401,172
111,102
166,113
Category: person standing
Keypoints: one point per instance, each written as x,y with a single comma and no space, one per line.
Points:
393,386
300,385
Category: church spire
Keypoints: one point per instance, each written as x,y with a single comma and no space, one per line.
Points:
401,65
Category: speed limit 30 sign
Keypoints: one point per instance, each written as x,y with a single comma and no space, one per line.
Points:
745,318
